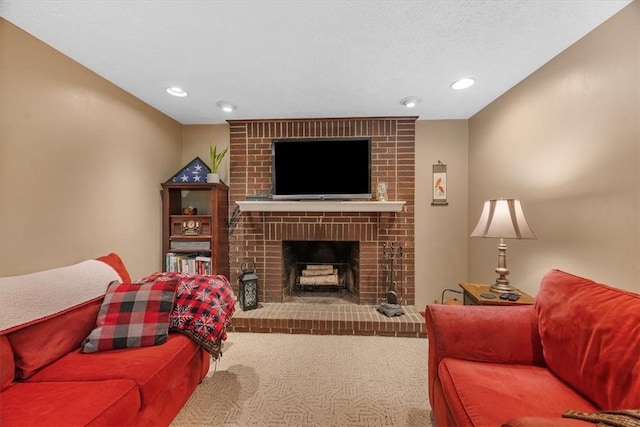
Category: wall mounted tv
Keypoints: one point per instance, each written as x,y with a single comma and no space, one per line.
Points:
321,169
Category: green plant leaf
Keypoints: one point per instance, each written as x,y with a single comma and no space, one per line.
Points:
216,157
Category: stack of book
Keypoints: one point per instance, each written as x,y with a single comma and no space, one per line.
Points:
190,263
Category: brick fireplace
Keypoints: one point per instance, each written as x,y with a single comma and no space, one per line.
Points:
264,237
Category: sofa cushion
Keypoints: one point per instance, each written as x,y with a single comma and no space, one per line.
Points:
107,403
481,393
152,368
7,363
590,337
132,316
63,333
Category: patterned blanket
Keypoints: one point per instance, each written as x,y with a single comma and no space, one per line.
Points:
37,296
202,309
621,418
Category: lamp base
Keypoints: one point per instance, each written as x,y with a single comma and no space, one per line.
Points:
501,288
502,283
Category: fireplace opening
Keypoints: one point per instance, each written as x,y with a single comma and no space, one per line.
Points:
321,269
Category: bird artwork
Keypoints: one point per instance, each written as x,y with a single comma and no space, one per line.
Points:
439,186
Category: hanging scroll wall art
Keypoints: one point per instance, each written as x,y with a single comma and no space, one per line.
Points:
439,185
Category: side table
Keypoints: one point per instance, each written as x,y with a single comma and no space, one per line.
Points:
472,295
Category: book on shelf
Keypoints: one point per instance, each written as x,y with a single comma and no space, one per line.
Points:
189,263
203,265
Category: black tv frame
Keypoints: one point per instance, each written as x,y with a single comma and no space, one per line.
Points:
308,163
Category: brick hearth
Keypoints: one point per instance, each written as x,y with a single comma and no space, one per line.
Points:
322,318
258,236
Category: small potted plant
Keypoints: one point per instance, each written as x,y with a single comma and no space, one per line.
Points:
216,159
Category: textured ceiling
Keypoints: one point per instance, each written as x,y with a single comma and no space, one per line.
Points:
311,58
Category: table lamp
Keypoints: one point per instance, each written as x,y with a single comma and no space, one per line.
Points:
504,219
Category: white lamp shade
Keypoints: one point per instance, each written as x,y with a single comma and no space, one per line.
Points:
503,218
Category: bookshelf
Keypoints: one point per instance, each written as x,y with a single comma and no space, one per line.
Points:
193,238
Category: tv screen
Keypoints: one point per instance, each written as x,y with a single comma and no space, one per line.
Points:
320,169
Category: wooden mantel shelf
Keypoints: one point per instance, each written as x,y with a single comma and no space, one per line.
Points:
319,206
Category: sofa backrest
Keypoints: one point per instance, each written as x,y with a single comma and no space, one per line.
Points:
7,364
56,327
42,343
590,336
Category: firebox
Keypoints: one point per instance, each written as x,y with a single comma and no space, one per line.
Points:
321,268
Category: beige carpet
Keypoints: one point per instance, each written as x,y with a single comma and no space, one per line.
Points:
313,380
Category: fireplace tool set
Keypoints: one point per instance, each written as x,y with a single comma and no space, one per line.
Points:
391,307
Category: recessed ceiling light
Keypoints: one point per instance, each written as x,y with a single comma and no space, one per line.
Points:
226,106
463,83
410,101
176,91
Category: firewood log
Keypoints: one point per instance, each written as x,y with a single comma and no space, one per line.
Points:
329,279
318,272
318,266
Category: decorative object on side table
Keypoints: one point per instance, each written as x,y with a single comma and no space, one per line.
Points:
504,219
216,159
248,286
479,294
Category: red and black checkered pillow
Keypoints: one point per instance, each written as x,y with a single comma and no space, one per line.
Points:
132,315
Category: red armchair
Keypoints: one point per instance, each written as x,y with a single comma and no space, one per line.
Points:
576,349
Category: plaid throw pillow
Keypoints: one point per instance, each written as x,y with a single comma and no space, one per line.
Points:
132,316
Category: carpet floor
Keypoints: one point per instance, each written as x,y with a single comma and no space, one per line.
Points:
313,380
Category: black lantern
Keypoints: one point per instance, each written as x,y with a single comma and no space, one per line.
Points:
248,286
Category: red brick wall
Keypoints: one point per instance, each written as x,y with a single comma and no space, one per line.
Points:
258,236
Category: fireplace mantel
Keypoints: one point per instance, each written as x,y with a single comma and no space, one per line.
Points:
319,206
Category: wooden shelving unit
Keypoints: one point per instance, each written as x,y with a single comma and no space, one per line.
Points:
212,235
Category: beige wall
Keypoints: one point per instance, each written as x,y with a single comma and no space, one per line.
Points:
441,234
81,162
565,141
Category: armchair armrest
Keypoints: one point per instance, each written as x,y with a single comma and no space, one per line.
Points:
483,334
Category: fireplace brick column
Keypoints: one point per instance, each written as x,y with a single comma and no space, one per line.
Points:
258,236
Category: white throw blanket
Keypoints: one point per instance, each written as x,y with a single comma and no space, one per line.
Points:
34,296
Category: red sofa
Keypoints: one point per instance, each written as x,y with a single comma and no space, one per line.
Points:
46,379
576,349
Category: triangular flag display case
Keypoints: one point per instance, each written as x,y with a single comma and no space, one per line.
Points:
194,172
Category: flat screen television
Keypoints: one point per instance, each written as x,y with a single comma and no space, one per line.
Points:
321,169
